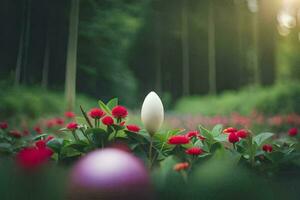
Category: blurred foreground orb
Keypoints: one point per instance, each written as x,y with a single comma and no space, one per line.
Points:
109,174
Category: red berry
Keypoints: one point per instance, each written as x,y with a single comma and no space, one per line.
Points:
3,125
192,134
293,132
133,128
242,133
267,148
178,139
96,113
194,151
233,138
72,126
108,120
119,112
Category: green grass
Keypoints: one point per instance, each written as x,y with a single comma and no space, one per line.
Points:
278,99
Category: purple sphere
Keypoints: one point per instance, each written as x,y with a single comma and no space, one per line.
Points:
109,174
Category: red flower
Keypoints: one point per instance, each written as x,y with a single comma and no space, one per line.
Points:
200,137
3,125
267,148
50,137
59,121
230,130
69,114
25,132
40,144
72,126
181,166
122,123
32,157
192,134
194,151
242,133
133,128
50,123
96,113
233,138
108,121
15,133
38,130
119,112
178,139
293,132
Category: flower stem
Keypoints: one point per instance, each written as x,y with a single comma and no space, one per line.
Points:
150,152
87,137
75,136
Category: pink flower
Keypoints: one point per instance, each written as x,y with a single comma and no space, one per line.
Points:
119,112
233,138
178,139
267,148
96,113
133,128
59,121
3,125
69,114
108,120
293,132
194,151
72,126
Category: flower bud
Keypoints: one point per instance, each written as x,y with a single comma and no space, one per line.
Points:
152,113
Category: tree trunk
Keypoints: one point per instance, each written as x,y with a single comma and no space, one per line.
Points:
158,54
46,62
211,50
21,45
255,48
185,50
70,82
26,43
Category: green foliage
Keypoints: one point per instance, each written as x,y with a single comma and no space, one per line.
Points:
25,102
278,99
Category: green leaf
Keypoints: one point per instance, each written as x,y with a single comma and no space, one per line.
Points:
95,131
104,107
217,130
5,147
262,137
112,103
206,134
221,138
38,137
56,144
86,117
78,145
